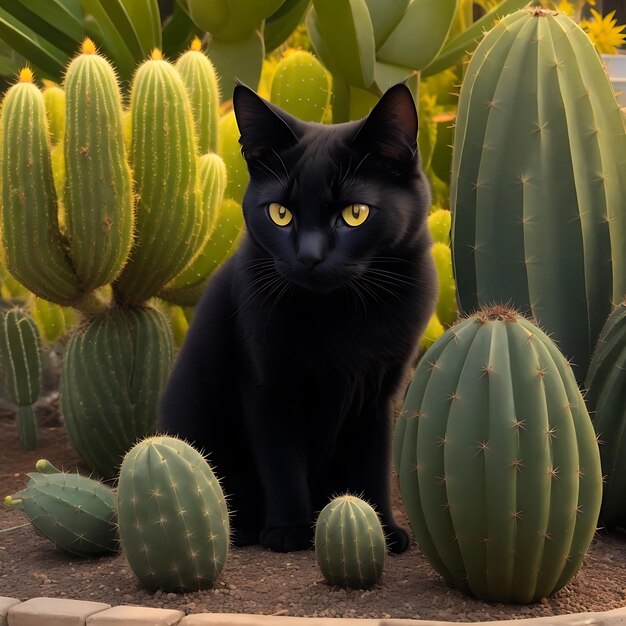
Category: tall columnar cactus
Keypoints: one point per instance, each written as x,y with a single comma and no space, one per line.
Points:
114,368
164,164
497,460
20,361
97,174
34,249
543,226
606,399
201,82
301,86
350,543
75,512
173,519
230,151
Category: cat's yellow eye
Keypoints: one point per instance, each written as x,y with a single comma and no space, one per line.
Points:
280,215
355,214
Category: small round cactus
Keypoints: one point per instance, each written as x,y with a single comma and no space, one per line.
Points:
173,519
350,543
73,511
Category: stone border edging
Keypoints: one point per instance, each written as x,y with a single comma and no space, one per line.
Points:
61,612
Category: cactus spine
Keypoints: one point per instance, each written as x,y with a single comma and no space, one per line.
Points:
173,519
542,228
497,460
21,367
33,246
164,165
73,511
98,195
114,368
605,397
350,543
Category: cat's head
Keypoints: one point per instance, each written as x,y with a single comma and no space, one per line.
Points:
327,201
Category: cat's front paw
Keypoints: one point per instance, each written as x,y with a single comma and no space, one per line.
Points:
287,539
397,538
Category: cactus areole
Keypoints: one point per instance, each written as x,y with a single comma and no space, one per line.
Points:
541,226
497,460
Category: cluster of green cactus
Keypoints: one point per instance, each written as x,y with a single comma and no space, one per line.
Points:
75,512
543,226
605,399
172,515
369,45
20,365
99,202
497,460
350,543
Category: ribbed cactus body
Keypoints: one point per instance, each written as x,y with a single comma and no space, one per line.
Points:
33,247
98,199
20,361
497,460
54,101
350,543
230,151
447,311
541,226
73,511
301,86
200,79
113,371
173,519
606,399
187,288
163,158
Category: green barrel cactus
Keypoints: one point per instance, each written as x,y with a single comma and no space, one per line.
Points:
606,399
173,520
350,543
497,460
114,368
543,226
200,79
20,360
34,249
163,158
76,513
54,101
97,174
301,86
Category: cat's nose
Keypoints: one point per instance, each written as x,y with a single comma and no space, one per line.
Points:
312,248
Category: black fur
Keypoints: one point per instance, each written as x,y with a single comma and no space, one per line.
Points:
302,339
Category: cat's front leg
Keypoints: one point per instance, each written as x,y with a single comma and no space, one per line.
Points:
279,450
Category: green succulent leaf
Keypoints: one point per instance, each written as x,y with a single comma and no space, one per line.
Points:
282,22
385,15
420,34
146,21
178,31
453,50
349,38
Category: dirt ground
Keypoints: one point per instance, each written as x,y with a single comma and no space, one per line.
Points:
259,581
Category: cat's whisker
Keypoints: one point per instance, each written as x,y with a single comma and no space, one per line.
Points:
282,163
285,287
283,181
266,282
357,291
368,286
391,276
378,284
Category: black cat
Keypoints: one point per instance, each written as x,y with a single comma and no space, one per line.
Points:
302,339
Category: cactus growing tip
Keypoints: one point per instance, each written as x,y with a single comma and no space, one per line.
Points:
196,44
88,46
26,75
156,55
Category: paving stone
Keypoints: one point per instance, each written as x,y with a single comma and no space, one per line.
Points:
236,619
136,616
5,605
53,612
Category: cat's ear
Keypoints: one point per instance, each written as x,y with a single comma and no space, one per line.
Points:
262,125
390,129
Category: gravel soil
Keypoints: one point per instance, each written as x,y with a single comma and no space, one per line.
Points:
259,581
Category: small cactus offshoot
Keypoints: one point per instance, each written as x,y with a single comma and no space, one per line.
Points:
76,513
173,519
350,543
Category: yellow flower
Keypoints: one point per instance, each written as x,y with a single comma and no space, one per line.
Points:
604,32
565,7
